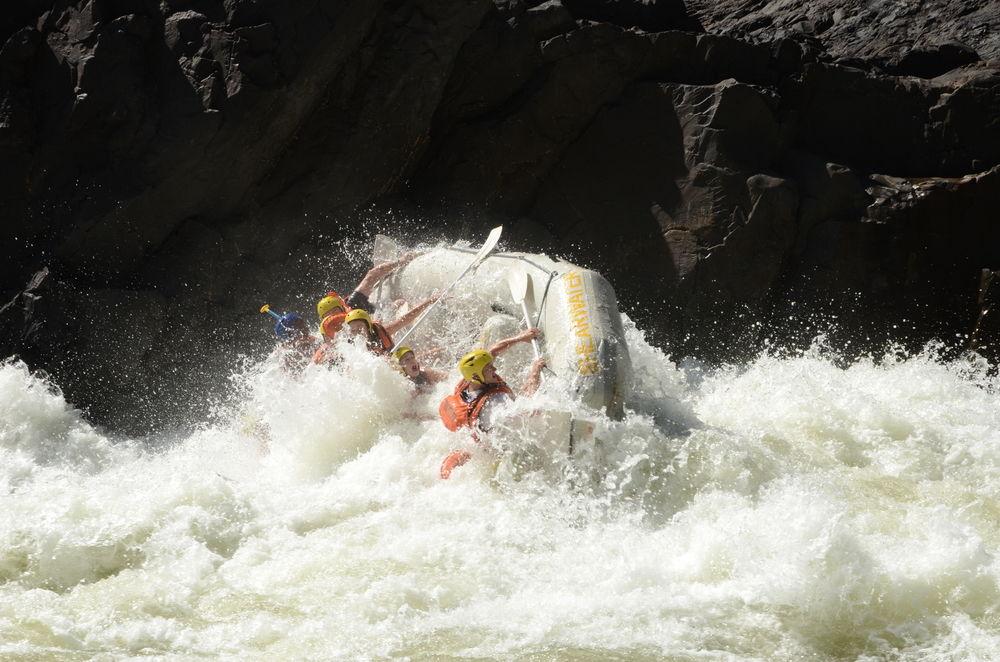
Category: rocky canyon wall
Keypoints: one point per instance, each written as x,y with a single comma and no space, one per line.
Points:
743,172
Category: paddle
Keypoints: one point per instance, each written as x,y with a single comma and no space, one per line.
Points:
519,282
491,243
267,309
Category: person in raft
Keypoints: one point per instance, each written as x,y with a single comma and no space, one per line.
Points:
294,337
378,337
423,378
481,393
332,308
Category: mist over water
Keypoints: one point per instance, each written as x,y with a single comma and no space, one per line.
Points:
779,510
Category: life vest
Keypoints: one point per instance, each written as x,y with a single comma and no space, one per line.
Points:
379,340
331,324
452,461
456,413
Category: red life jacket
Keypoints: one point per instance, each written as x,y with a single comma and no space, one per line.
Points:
331,324
456,413
379,340
452,461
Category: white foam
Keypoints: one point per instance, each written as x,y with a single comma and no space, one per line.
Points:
783,509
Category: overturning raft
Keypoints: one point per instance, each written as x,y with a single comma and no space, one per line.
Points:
576,308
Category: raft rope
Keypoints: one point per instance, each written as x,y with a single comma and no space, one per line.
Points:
545,296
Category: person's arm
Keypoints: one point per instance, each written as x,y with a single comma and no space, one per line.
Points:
359,300
534,379
378,272
434,376
507,343
394,326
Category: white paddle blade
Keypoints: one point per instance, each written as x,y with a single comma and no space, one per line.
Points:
491,242
517,280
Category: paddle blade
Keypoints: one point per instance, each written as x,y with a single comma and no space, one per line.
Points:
265,309
517,280
489,245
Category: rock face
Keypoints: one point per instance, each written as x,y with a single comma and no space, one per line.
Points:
911,38
985,336
169,166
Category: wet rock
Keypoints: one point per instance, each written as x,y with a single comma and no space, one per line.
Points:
878,31
933,60
648,15
902,125
92,344
908,268
183,31
548,20
675,170
985,336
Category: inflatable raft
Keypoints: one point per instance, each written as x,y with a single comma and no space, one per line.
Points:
576,309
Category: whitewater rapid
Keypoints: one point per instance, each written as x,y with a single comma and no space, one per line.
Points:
780,510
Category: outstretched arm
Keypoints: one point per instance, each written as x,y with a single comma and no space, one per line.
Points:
378,272
435,376
507,343
396,325
534,377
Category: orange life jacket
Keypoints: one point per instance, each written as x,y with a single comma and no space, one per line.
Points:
452,461
456,413
380,342
331,324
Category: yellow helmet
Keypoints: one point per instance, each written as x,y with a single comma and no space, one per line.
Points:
328,303
472,365
401,351
359,314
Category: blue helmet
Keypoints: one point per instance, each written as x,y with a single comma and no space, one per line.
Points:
289,325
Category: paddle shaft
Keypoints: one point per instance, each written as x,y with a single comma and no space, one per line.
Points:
527,320
431,307
483,253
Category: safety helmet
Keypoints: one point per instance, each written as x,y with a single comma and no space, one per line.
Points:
402,351
359,314
329,302
289,325
472,365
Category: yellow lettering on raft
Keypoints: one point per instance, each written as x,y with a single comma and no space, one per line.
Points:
585,350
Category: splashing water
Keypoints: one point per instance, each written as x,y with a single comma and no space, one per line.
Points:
785,509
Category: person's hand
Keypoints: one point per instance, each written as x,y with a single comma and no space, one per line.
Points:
531,334
432,353
410,257
537,365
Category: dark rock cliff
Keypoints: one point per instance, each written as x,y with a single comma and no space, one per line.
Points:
741,171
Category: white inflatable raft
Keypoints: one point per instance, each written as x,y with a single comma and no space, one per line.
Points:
576,309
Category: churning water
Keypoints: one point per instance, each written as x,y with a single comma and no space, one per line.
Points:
781,510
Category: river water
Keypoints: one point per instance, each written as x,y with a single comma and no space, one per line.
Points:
785,509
